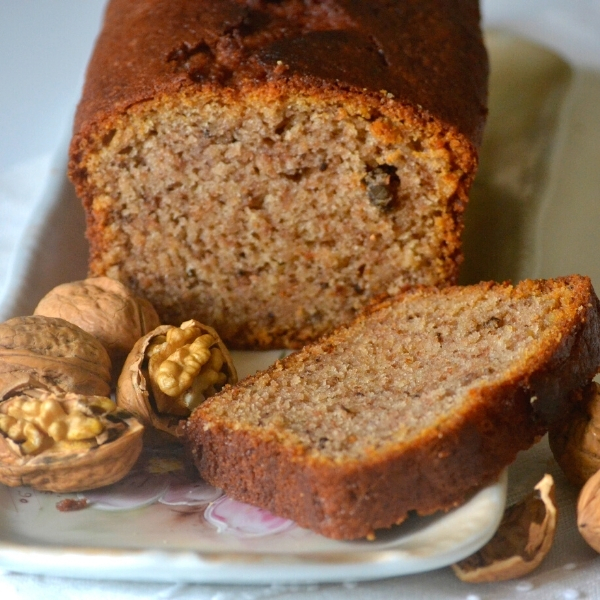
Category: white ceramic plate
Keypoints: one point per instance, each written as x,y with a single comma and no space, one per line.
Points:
174,530
163,524
167,543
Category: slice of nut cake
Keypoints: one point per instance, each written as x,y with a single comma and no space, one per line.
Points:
422,400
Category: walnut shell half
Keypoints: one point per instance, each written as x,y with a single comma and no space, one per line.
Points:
521,542
106,309
66,442
52,354
170,371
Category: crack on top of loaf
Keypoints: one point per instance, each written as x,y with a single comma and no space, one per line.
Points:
218,44
182,54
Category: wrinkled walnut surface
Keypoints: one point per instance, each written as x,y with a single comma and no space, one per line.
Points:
66,442
588,511
52,354
106,309
575,440
172,370
522,541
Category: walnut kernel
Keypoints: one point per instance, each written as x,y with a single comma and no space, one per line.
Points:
171,371
185,368
65,442
47,422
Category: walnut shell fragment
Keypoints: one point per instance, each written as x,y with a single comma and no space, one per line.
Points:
66,442
575,440
53,354
588,512
172,370
106,309
523,539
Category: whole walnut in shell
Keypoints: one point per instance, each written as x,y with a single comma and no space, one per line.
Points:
588,511
172,370
106,309
575,440
51,354
66,442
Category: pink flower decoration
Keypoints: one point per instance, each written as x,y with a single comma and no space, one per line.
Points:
141,489
188,493
159,476
228,515
136,490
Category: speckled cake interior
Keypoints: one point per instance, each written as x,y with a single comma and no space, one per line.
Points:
409,371
270,168
292,212
422,400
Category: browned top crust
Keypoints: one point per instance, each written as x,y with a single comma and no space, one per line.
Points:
424,53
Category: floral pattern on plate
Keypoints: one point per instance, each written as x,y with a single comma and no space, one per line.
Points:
161,476
229,515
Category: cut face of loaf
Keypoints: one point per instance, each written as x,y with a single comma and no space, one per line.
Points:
421,401
269,168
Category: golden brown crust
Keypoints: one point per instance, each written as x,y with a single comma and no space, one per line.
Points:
353,500
438,470
426,53
418,65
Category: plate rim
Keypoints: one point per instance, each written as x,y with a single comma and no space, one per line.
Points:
198,566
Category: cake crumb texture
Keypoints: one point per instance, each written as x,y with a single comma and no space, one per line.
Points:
413,407
269,168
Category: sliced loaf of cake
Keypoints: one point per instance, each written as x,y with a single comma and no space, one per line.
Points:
422,400
268,168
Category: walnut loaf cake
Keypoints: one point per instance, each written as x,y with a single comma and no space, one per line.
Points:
418,403
270,166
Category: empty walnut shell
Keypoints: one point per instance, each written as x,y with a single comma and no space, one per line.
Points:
105,308
137,389
52,354
575,440
522,541
68,455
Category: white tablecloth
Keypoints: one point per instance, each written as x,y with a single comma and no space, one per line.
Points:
44,45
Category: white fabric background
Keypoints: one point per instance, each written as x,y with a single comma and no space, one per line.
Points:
44,45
